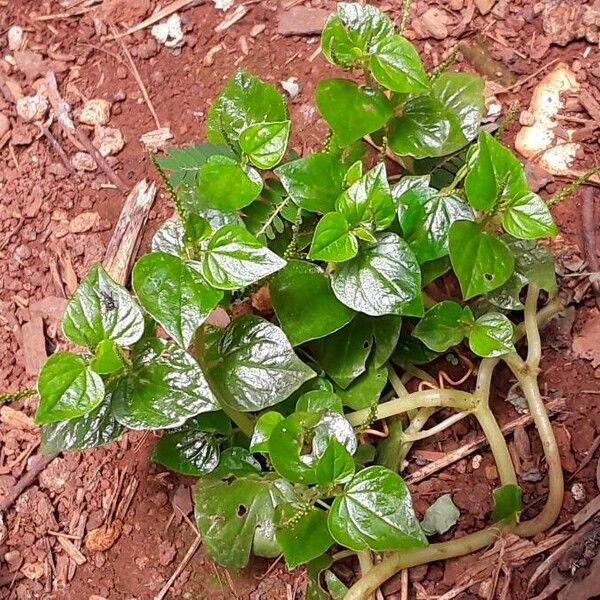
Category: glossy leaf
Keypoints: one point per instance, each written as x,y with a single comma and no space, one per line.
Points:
425,216
304,303
352,344
441,516
384,278
303,536
354,32
492,335
528,217
365,391
225,185
336,464
333,241
444,325
368,201
236,518
314,182
107,359
375,511
352,111
534,263
193,449
396,65
265,143
262,430
100,310
508,503
169,238
319,401
482,262
176,295
92,429
298,442
163,388
441,122
67,388
234,258
386,331
236,462
245,100
412,351
256,366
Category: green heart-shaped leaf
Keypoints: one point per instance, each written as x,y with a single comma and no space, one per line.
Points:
176,295
482,262
92,429
108,359
68,388
100,310
304,303
256,366
425,216
245,100
492,335
368,201
225,185
396,65
302,536
384,278
375,511
508,503
528,217
234,259
444,325
262,430
352,111
333,241
265,143
163,389
314,182
365,391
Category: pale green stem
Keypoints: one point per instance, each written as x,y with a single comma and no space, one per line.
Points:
421,435
427,398
396,382
365,562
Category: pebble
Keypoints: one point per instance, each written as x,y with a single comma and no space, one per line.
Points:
108,140
82,161
121,72
32,108
578,492
95,112
15,38
526,118
157,78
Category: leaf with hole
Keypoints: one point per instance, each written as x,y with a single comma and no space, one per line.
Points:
482,262
236,517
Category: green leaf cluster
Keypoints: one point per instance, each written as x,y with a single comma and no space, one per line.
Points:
256,402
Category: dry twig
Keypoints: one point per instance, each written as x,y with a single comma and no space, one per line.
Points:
589,236
186,559
553,407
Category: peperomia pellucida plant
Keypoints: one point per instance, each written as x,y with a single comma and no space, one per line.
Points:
298,423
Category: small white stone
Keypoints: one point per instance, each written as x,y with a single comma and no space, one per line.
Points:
169,32
82,161
578,492
95,112
223,4
108,140
476,462
32,108
291,87
15,38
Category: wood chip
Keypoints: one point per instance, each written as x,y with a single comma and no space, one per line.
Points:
239,13
34,345
590,104
126,237
15,419
50,307
71,550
